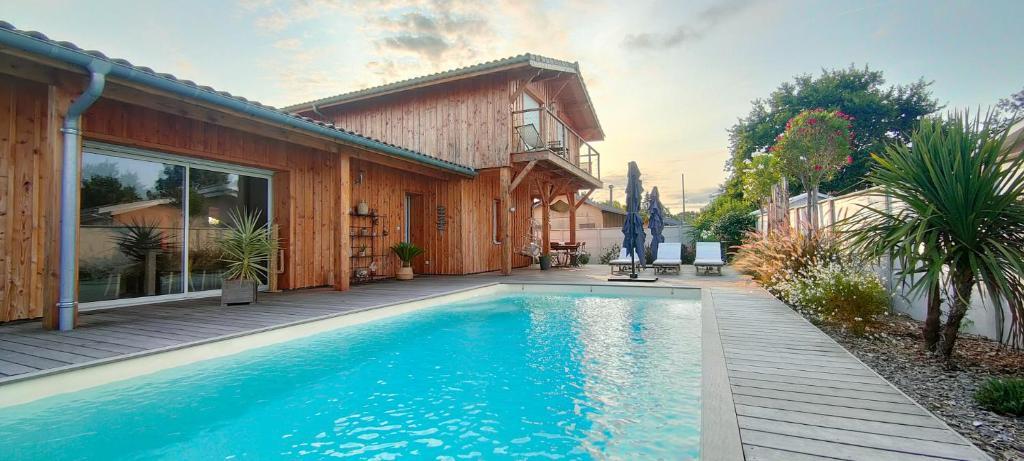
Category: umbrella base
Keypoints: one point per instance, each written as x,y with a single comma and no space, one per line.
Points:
626,278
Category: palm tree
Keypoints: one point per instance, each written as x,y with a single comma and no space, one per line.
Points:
957,222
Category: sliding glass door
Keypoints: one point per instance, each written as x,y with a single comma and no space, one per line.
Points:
149,222
213,197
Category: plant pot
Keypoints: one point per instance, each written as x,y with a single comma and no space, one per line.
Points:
238,292
404,273
545,262
362,208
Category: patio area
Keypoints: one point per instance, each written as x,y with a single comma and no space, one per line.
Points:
795,393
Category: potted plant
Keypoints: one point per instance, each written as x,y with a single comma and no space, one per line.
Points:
246,247
362,250
405,252
362,208
545,261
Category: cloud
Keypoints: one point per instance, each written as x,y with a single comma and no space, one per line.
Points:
706,20
429,46
288,44
432,32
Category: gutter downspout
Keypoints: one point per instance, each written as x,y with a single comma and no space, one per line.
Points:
67,302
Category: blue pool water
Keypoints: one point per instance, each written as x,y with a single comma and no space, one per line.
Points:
509,377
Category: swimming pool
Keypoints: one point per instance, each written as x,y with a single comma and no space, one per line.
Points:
544,375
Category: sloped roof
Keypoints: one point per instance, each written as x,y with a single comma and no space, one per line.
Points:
67,52
524,60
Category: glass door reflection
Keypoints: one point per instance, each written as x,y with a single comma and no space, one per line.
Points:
130,230
213,196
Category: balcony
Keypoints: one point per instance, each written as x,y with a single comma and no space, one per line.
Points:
538,134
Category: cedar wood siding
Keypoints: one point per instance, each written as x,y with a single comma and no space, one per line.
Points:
306,193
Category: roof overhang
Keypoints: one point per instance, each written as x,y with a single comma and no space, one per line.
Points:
38,47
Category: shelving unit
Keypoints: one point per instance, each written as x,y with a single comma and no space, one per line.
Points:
366,234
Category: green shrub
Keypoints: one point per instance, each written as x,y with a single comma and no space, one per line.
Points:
1004,396
726,220
611,253
846,294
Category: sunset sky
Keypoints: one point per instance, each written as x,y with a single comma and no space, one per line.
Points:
667,78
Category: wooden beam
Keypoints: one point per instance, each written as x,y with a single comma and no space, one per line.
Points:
570,198
546,190
522,87
59,97
505,232
342,239
522,175
583,199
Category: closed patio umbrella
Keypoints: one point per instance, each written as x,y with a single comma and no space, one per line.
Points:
655,220
633,229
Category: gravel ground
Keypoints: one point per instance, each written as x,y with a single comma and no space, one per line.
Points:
892,347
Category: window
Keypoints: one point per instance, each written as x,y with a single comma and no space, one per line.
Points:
496,221
149,221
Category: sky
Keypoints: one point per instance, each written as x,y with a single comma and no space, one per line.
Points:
667,78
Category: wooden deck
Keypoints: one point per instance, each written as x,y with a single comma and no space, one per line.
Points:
26,349
797,394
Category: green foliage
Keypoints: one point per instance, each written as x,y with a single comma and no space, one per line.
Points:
815,145
1004,396
406,251
760,174
246,246
610,254
136,240
881,114
960,219
726,220
840,292
583,258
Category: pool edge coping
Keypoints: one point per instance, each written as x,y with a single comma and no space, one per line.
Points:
719,424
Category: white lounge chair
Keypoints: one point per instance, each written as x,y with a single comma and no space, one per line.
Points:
709,256
669,258
623,263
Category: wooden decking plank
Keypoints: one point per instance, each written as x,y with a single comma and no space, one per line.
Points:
860,425
32,361
786,379
756,453
905,407
838,450
64,339
11,368
833,410
58,346
820,390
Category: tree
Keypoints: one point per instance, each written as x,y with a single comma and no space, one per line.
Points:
763,183
1009,110
960,222
881,113
814,147
726,219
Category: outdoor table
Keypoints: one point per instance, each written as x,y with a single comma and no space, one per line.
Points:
564,252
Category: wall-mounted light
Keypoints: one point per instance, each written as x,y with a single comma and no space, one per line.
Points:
359,176
511,209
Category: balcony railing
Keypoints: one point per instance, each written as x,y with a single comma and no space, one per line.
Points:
540,130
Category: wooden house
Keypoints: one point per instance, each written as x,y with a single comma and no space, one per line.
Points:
116,179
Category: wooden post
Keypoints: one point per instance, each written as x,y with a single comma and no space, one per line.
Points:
59,99
570,198
343,243
505,231
545,217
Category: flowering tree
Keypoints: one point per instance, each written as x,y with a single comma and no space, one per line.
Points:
814,147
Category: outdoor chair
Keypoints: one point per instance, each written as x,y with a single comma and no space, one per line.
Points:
669,258
709,256
530,137
623,263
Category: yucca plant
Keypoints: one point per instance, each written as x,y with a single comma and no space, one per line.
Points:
246,246
405,252
138,239
957,222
